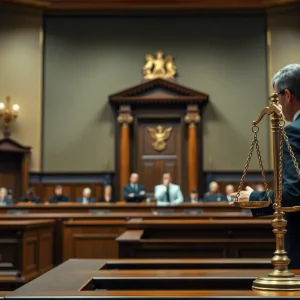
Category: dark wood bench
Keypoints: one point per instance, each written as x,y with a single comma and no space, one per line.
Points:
101,279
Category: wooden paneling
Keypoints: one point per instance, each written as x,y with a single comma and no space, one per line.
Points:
146,238
92,238
85,218
25,250
46,242
103,208
10,175
182,279
150,169
128,5
152,163
74,190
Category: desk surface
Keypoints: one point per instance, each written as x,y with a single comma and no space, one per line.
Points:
73,278
25,223
124,204
127,215
121,205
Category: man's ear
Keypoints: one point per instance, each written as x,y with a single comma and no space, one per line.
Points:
288,95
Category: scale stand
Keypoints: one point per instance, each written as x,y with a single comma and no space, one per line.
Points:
280,279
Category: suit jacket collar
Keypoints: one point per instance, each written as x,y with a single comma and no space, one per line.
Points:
296,116
133,187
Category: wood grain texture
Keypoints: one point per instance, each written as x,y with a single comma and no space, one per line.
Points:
26,250
192,158
117,5
196,238
124,157
72,279
73,190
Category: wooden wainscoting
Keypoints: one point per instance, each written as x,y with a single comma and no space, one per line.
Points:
74,190
25,251
92,238
196,238
222,185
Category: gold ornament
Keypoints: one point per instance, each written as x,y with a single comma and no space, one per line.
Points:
159,67
125,119
160,135
192,119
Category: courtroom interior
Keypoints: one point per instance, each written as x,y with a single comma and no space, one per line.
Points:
125,131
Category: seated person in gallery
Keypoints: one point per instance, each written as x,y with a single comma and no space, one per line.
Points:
30,197
167,193
194,197
213,195
10,195
58,196
107,197
4,200
134,192
229,190
86,197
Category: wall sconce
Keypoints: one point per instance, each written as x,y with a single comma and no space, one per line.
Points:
8,113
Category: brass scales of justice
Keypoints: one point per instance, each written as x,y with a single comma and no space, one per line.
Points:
280,278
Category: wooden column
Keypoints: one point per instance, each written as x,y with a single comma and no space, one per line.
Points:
25,173
124,118
192,118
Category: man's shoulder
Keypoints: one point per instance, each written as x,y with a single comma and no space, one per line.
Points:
293,132
158,186
294,126
175,186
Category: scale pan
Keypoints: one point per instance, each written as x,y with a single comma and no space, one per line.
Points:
251,204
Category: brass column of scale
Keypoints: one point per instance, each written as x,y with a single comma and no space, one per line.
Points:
280,278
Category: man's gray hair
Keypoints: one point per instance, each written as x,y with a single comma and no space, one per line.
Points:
86,191
288,78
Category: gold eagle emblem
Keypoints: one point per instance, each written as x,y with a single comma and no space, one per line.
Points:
160,135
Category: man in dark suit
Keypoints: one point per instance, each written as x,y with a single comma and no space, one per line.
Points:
213,195
287,84
86,197
58,196
134,192
194,197
30,197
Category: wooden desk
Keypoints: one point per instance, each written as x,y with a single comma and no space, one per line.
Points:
95,279
196,238
92,238
25,251
115,207
93,235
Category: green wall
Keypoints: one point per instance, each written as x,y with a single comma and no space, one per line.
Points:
88,58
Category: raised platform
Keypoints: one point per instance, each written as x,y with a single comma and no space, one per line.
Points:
149,279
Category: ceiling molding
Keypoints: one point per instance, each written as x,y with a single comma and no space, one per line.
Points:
162,5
